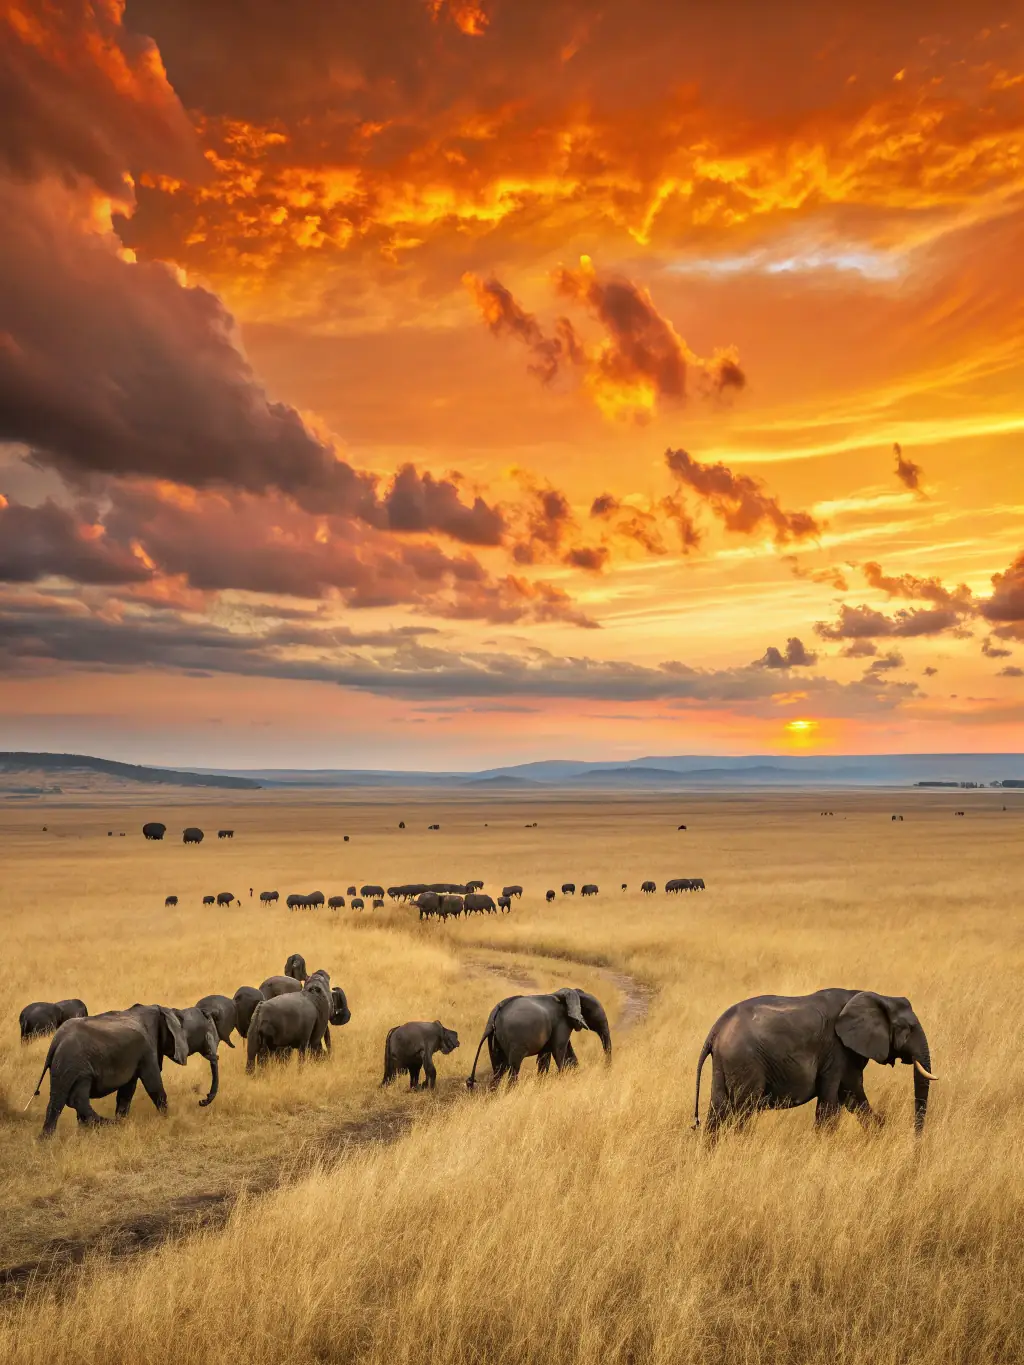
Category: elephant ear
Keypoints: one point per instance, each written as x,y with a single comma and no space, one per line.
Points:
171,1019
571,1000
864,1027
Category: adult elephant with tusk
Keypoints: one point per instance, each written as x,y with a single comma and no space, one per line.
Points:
528,1026
780,1051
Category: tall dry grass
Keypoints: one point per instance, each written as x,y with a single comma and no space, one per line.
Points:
580,1218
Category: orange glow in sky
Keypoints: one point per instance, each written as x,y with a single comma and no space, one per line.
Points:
440,383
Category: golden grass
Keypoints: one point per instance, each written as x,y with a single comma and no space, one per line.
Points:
577,1219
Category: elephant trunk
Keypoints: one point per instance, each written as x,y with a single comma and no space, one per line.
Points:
214,1082
922,1062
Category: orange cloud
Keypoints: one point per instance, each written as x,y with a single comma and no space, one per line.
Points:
468,18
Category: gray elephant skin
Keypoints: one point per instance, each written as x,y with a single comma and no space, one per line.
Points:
44,1016
279,985
296,1019
245,1000
201,1035
524,1026
224,1014
594,1017
295,967
411,1047
779,1051
90,1058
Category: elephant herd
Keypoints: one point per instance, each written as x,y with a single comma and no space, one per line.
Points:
91,1056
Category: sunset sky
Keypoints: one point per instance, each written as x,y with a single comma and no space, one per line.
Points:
429,383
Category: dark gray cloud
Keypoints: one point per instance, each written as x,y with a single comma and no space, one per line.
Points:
1006,605
860,649
885,663
911,588
49,540
796,656
53,636
739,501
993,651
1011,671
908,473
865,623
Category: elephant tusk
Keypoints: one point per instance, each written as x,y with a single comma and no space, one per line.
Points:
926,1074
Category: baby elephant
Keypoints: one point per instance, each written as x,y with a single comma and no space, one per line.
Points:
412,1046
43,1017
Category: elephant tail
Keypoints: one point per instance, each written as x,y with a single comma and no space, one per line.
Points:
389,1073
705,1053
471,1078
46,1067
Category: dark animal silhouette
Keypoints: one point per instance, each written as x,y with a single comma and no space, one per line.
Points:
44,1016
170,900
192,835
154,830
225,834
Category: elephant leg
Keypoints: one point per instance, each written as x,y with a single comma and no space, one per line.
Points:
826,1112
543,1063
125,1095
515,1061
853,1098
499,1062
78,1099
327,1037
719,1107
560,1044
414,1076
54,1109
569,1058
429,1073
153,1084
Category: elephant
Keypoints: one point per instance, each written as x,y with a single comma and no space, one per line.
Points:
475,885
568,888
412,1046
779,1051
296,967
340,1012
169,901
209,900
154,830
372,891
648,888
295,902
549,896
192,835
452,905
43,1017
594,1017
527,1026
315,900
279,985
358,903
269,897
225,898
352,891
245,1000
90,1058
589,890
512,891
224,1013
202,1037
336,903
298,1019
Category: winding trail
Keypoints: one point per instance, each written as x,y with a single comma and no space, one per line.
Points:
333,1143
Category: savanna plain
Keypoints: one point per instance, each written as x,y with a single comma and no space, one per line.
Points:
579,1217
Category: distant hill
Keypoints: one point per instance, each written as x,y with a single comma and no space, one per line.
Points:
84,765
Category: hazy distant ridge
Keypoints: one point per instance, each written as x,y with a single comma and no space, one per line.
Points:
13,762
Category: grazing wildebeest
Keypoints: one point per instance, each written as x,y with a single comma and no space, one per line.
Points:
296,902
589,890
153,830
269,897
357,903
352,891
505,904
680,826
315,900
512,891
549,896
336,903
225,834
225,898
475,885
568,888
170,900
192,835
648,888
371,891
209,900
